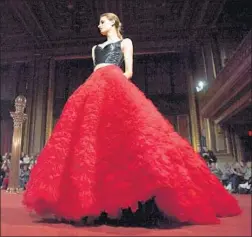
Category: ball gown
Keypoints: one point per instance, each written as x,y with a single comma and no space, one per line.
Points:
110,148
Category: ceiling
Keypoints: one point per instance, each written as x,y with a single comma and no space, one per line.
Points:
46,24
70,26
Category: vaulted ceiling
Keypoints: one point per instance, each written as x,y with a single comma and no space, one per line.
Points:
69,25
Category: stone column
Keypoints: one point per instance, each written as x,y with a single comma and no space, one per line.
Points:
18,119
50,99
227,137
209,135
193,108
29,95
234,148
220,140
37,130
238,147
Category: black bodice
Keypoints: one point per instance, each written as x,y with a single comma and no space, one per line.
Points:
111,53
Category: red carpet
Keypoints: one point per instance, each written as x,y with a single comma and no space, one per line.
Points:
15,221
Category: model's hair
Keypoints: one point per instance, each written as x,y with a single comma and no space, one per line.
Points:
118,24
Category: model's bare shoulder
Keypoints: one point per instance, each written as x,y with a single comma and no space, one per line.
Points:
93,53
127,41
127,45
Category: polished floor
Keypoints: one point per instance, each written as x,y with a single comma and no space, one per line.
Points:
16,221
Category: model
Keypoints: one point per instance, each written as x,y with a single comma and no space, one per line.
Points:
112,148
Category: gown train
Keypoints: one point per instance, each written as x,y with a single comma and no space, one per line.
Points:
111,148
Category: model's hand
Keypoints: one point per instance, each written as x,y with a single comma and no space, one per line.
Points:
127,76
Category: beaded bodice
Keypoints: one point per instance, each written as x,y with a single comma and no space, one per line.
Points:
110,53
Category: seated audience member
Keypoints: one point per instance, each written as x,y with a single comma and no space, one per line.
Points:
5,173
247,174
5,182
226,174
24,176
22,157
215,170
5,156
2,175
26,159
245,187
212,157
238,170
208,156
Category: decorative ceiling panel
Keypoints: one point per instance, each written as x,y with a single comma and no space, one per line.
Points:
68,23
61,13
211,12
10,23
159,13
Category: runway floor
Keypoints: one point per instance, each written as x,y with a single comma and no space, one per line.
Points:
16,221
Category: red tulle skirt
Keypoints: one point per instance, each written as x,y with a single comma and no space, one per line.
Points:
111,148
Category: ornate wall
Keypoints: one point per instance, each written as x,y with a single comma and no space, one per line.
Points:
47,84
165,70
15,79
31,80
221,58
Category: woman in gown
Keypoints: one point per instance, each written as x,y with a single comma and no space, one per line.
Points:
112,148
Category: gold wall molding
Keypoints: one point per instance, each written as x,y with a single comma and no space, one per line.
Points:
195,132
50,98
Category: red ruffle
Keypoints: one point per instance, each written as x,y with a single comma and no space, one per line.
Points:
111,148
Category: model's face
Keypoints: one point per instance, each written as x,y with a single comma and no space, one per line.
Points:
105,25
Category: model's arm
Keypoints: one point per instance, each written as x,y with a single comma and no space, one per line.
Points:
93,54
127,48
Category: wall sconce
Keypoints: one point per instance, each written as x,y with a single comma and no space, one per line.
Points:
200,86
